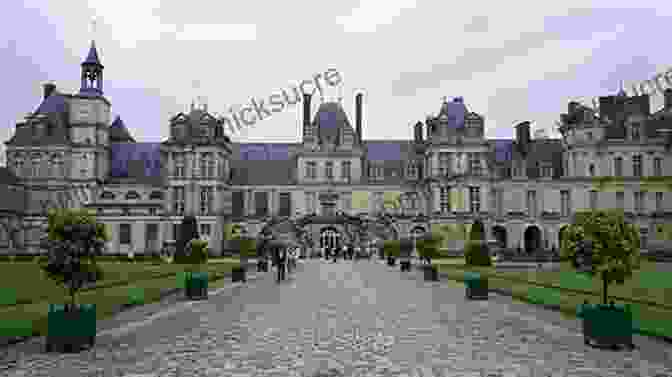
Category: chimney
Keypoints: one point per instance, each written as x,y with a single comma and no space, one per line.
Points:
358,115
523,137
48,89
572,107
668,98
418,132
306,111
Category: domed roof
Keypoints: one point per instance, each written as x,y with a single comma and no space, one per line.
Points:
330,119
119,132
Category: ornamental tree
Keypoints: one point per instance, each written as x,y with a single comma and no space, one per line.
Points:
601,243
73,240
428,246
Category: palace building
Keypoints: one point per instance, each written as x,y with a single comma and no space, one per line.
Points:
448,175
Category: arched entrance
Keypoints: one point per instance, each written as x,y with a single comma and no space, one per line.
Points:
532,239
416,233
499,233
330,238
561,235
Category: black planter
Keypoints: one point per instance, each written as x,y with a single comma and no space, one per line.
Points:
607,326
262,266
476,287
196,286
72,330
238,274
391,261
431,273
405,265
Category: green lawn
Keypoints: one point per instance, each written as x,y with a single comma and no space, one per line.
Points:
123,283
649,291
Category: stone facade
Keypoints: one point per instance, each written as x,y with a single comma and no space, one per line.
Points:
525,190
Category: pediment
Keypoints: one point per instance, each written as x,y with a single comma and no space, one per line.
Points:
180,117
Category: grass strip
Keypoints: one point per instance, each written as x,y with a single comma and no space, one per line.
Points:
649,320
31,319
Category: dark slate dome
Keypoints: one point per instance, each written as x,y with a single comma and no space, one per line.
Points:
330,119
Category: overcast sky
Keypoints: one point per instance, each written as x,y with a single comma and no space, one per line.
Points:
511,61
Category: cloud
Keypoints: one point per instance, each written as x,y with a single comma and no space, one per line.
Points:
370,14
215,32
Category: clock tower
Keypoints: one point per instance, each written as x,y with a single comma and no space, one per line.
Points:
89,123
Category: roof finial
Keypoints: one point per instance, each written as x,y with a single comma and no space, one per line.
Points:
621,91
444,99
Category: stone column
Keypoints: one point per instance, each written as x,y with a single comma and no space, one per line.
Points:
272,202
435,199
249,202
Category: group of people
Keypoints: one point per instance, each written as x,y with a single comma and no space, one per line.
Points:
345,252
285,260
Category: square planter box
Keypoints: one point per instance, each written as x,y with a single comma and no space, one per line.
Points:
607,325
238,274
196,285
262,266
405,265
69,331
391,261
431,273
476,286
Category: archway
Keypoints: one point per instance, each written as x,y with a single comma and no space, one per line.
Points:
532,239
330,238
416,233
561,235
499,233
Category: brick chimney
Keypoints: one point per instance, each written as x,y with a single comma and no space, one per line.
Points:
48,89
668,98
358,115
306,114
523,137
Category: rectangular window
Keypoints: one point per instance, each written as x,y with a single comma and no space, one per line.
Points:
565,203
445,200
345,170
151,242
206,201
659,202
620,200
639,201
546,171
531,203
124,234
179,164
311,169
211,167
618,166
261,203
493,201
475,164
205,230
412,170
658,167
637,166
204,165
444,163
475,199
285,199
176,232
635,132
329,170
178,200
238,203
593,199
310,202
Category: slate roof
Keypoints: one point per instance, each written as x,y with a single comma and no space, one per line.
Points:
453,112
503,149
262,151
56,103
263,172
330,119
119,133
136,162
92,57
388,150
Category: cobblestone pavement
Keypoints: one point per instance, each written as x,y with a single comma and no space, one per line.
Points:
357,319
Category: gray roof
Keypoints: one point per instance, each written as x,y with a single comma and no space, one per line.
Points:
263,172
119,133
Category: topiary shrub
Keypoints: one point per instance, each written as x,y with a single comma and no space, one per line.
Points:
198,251
477,252
188,232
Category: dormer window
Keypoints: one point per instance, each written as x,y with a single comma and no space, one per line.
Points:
107,195
132,195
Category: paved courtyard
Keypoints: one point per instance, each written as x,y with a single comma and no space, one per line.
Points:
356,318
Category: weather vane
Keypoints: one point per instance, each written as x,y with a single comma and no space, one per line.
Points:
94,22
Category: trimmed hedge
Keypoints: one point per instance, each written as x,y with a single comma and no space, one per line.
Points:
476,253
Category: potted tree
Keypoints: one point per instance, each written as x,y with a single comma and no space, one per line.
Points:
391,249
603,245
196,285
477,253
428,248
406,248
74,240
